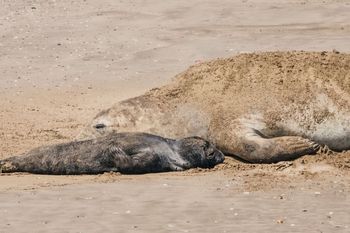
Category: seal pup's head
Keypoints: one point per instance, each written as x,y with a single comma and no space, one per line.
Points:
199,152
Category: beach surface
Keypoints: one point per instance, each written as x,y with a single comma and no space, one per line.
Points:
61,62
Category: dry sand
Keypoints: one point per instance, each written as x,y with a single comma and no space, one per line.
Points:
61,62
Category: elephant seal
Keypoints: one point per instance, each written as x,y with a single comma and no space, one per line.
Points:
262,107
119,152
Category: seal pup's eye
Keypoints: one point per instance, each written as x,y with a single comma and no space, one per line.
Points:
100,126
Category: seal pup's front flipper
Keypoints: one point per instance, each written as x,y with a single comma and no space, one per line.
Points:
144,162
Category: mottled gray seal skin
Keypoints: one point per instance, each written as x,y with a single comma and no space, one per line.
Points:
131,153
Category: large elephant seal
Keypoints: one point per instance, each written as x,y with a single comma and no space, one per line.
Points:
119,152
261,107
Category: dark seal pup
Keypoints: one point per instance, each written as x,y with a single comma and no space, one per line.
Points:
120,152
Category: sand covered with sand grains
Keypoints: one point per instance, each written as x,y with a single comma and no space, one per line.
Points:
62,62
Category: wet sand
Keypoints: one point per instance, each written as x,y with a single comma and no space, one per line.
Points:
62,62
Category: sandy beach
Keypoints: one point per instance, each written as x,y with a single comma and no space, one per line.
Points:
61,62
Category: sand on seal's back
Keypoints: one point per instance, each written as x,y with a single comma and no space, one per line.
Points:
298,91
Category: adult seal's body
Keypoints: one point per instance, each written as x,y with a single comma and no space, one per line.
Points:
263,107
118,152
